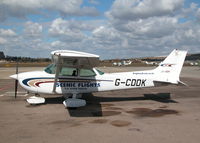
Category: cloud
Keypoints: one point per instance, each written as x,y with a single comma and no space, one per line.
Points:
7,32
22,8
2,41
188,34
139,9
62,30
153,27
149,25
5,35
129,29
198,14
106,36
94,2
57,44
33,29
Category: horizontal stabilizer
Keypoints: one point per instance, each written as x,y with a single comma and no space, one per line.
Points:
161,83
182,83
165,83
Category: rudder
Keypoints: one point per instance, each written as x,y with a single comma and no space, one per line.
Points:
169,70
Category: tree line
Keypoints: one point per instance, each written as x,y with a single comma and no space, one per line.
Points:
26,59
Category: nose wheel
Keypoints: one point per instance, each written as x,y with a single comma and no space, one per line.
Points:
34,100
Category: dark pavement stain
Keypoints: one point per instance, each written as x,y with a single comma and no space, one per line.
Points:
62,122
75,124
135,129
164,106
99,121
70,123
107,105
120,123
145,112
113,108
105,113
34,106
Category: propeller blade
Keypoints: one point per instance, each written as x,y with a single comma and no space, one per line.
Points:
16,86
16,81
17,68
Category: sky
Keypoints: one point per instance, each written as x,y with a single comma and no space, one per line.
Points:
109,28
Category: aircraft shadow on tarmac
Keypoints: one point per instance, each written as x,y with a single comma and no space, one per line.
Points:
94,104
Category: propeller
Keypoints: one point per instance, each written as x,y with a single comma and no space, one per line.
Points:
16,81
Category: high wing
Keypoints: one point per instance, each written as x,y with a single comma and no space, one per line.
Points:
75,59
68,58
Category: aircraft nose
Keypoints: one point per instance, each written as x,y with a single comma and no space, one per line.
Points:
14,76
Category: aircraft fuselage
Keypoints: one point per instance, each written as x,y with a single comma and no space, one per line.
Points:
42,82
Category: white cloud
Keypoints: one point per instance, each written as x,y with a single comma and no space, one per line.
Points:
57,44
198,13
98,29
137,9
33,29
154,27
94,2
7,32
21,8
2,41
132,29
65,32
106,36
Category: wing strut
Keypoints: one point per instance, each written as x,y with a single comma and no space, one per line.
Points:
57,73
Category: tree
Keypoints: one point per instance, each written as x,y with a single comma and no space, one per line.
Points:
2,56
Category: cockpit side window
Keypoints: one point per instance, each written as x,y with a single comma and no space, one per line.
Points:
66,71
87,72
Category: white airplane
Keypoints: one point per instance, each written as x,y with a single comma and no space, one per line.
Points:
72,73
122,63
126,63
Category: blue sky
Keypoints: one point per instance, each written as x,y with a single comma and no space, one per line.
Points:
109,28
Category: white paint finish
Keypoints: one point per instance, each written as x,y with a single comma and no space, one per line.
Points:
42,82
34,100
70,53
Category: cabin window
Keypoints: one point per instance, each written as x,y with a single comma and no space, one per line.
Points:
87,72
65,71
50,69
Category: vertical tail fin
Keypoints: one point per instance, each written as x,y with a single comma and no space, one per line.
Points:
169,70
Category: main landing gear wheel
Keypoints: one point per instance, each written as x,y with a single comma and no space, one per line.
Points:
74,102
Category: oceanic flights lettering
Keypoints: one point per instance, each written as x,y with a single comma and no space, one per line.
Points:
130,82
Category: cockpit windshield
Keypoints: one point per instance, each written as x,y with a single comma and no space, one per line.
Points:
100,72
50,69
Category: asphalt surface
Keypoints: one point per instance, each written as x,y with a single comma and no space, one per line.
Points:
161,114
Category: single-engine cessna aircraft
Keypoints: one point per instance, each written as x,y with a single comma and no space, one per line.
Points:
72,73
